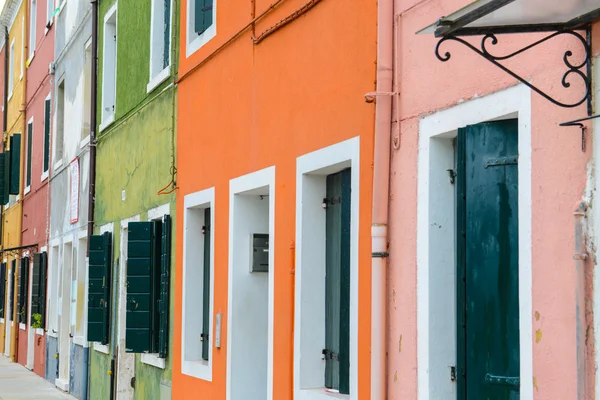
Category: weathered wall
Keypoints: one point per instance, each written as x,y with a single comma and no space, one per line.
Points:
255,106
559,173
141,143
51,370
78,380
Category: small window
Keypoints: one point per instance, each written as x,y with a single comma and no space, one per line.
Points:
201,24
28,156
109,71
160,41
11,69
47,123
87,91
198,298
32,28
60,123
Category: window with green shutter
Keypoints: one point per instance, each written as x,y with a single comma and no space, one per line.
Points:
206,285
11,300
2,289
337,282
100,263
4,177
203,15
15,163
38,289
148,271
47,123
28,156
23,286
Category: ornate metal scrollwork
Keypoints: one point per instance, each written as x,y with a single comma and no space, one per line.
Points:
572,68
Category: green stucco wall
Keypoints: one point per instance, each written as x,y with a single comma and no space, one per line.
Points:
135,154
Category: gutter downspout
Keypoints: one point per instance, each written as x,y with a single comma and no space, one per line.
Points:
381,178
92,172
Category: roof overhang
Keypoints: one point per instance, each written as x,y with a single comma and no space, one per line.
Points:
490,18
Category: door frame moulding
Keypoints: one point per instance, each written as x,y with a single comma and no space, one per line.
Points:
435,206
309,368
245,183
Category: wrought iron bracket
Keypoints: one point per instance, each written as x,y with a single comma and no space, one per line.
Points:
579,123
17,252
578,70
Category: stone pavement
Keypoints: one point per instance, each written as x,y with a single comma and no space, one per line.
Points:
19,383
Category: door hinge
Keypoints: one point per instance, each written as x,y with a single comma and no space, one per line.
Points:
453,373
133,382
502,161
452,175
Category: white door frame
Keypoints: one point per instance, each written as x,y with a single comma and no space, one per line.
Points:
7,313
125,361
30,331
64,310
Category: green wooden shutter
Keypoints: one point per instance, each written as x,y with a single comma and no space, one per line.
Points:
167,33
4,157
165,269
35,286
23,292
2,289
99,287
20,291
43,285
15,163
337,282
143,255
11,300
47,123
203,14
206,285
29,151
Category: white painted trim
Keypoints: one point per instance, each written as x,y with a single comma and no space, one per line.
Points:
39,331
67,239
1,320
26,190
506,103
81,341
153,359
193,45
49,97
322,162
112,11
11,68
84,142
22,326
101,348
122,293
158,212
109,121
62,384
158,79
200,369
254,180
44,176
58,164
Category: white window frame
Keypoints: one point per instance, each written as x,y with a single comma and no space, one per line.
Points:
49,12
309,305
11,69
436,264
158,76
156,214
194,41
86,140
32,28
78,339
40,331
46,172
26,141
192,253
59,101
22,47
109,117
52,312
110,227
240,185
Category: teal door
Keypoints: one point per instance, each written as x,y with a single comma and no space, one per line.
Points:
488,262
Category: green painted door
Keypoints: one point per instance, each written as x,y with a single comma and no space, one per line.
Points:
488,261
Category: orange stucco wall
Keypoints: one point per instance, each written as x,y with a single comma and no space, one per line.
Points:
255,106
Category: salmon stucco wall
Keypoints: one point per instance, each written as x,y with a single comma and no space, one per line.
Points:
250,107
560,173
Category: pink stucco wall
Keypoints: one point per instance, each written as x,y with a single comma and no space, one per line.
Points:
559,174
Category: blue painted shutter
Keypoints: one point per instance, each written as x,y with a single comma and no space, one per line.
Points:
206,285
15,163
203,14
47,123
167,32
143,255
2,289
337,282
165,269
99,287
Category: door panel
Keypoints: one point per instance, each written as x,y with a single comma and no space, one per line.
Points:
488,254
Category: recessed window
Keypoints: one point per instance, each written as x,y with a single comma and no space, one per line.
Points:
60,123
28,155
11,69
201,24
32,27
160,42
198,267
47,123
81,292
53,279
49,12
87,91
109,71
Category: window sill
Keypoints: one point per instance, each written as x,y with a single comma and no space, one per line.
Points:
197,369
84,142
1,320
52,334
154,360
80,341
10,94
39,331
195,44
58,164
320,394
44,176
106,123
27,190
101,348
28,62
22,326
158,79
